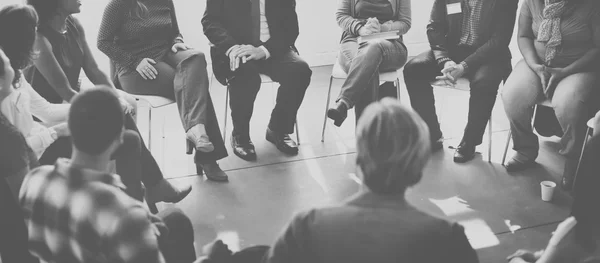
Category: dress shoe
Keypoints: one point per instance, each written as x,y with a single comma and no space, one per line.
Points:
214,173
198,139
283,142
243,147
464,153
338,114
437,145
514,165
164,191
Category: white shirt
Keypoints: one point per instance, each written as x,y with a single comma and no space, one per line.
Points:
25,102
265,34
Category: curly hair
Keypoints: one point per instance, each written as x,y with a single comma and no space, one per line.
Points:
17,35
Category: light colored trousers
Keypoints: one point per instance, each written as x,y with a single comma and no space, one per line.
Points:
573,99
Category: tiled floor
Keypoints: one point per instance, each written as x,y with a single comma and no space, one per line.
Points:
500,212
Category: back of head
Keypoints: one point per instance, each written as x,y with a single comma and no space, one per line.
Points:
95,120
17,34
393,146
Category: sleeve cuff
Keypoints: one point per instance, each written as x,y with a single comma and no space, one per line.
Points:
442,61
178,40
268,54
465,66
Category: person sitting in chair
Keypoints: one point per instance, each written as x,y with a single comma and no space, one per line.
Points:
250,38
468,38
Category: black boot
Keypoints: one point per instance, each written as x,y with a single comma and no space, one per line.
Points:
338,114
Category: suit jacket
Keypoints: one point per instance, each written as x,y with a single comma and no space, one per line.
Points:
229,22
495,30
371,228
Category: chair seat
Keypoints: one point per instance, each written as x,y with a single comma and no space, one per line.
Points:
391,76
591,122
154,101
545,103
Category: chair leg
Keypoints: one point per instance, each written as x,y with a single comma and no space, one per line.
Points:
297,132
225,115
150,128
397,83
490,140
326,108
506,147
587,135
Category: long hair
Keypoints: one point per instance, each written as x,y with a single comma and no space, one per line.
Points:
393,147
138,9
46,9
17,35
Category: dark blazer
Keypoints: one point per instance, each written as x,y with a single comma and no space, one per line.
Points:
495,30
229,22
371,228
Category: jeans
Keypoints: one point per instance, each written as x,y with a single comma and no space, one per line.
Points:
182,77
134,161
572,102
293,75
484,81
363,62
178,245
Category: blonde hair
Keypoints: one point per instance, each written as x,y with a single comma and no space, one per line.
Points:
393,146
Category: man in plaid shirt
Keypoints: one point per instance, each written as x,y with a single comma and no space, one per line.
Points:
77,212
468,38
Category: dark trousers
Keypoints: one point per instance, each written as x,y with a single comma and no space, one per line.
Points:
484,81
585,205
177,245
182,77
134,161
13,233
290,71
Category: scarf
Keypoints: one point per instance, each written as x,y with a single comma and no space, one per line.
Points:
549,31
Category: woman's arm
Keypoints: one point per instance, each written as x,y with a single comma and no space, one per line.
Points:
345,19
526,37
47,112
90,66
403,19
47,64
113,18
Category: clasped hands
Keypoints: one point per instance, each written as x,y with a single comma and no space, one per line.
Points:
549,77
451,72
240,54
373,26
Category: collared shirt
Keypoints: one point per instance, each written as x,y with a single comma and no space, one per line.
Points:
470,25
80,215
265,34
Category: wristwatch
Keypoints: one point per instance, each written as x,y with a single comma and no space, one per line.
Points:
53,134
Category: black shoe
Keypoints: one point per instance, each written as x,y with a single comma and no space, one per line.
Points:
516,166
243,147
464,153
283,142
338,114
437,145
214,173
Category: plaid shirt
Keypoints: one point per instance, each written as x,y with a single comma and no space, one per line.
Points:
79,215
470,26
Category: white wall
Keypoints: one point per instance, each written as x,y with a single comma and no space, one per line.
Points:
319,33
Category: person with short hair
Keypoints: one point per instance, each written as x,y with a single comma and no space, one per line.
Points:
393,147
468,39
77,212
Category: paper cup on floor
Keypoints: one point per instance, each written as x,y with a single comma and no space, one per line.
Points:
547,190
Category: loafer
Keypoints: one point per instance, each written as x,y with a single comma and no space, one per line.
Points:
464,153
338,114
516,166
283,142
214,173
243,147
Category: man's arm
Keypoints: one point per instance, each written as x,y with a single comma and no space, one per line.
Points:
437,29
213,27
279,43
506,13
293,245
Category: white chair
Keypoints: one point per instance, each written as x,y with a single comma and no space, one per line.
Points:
154,102
338,73
463,85
264,80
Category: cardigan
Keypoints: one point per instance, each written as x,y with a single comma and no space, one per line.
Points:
350,25
25,102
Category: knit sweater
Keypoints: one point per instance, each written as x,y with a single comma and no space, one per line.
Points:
127,39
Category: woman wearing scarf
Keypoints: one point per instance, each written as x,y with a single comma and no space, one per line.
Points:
560,44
